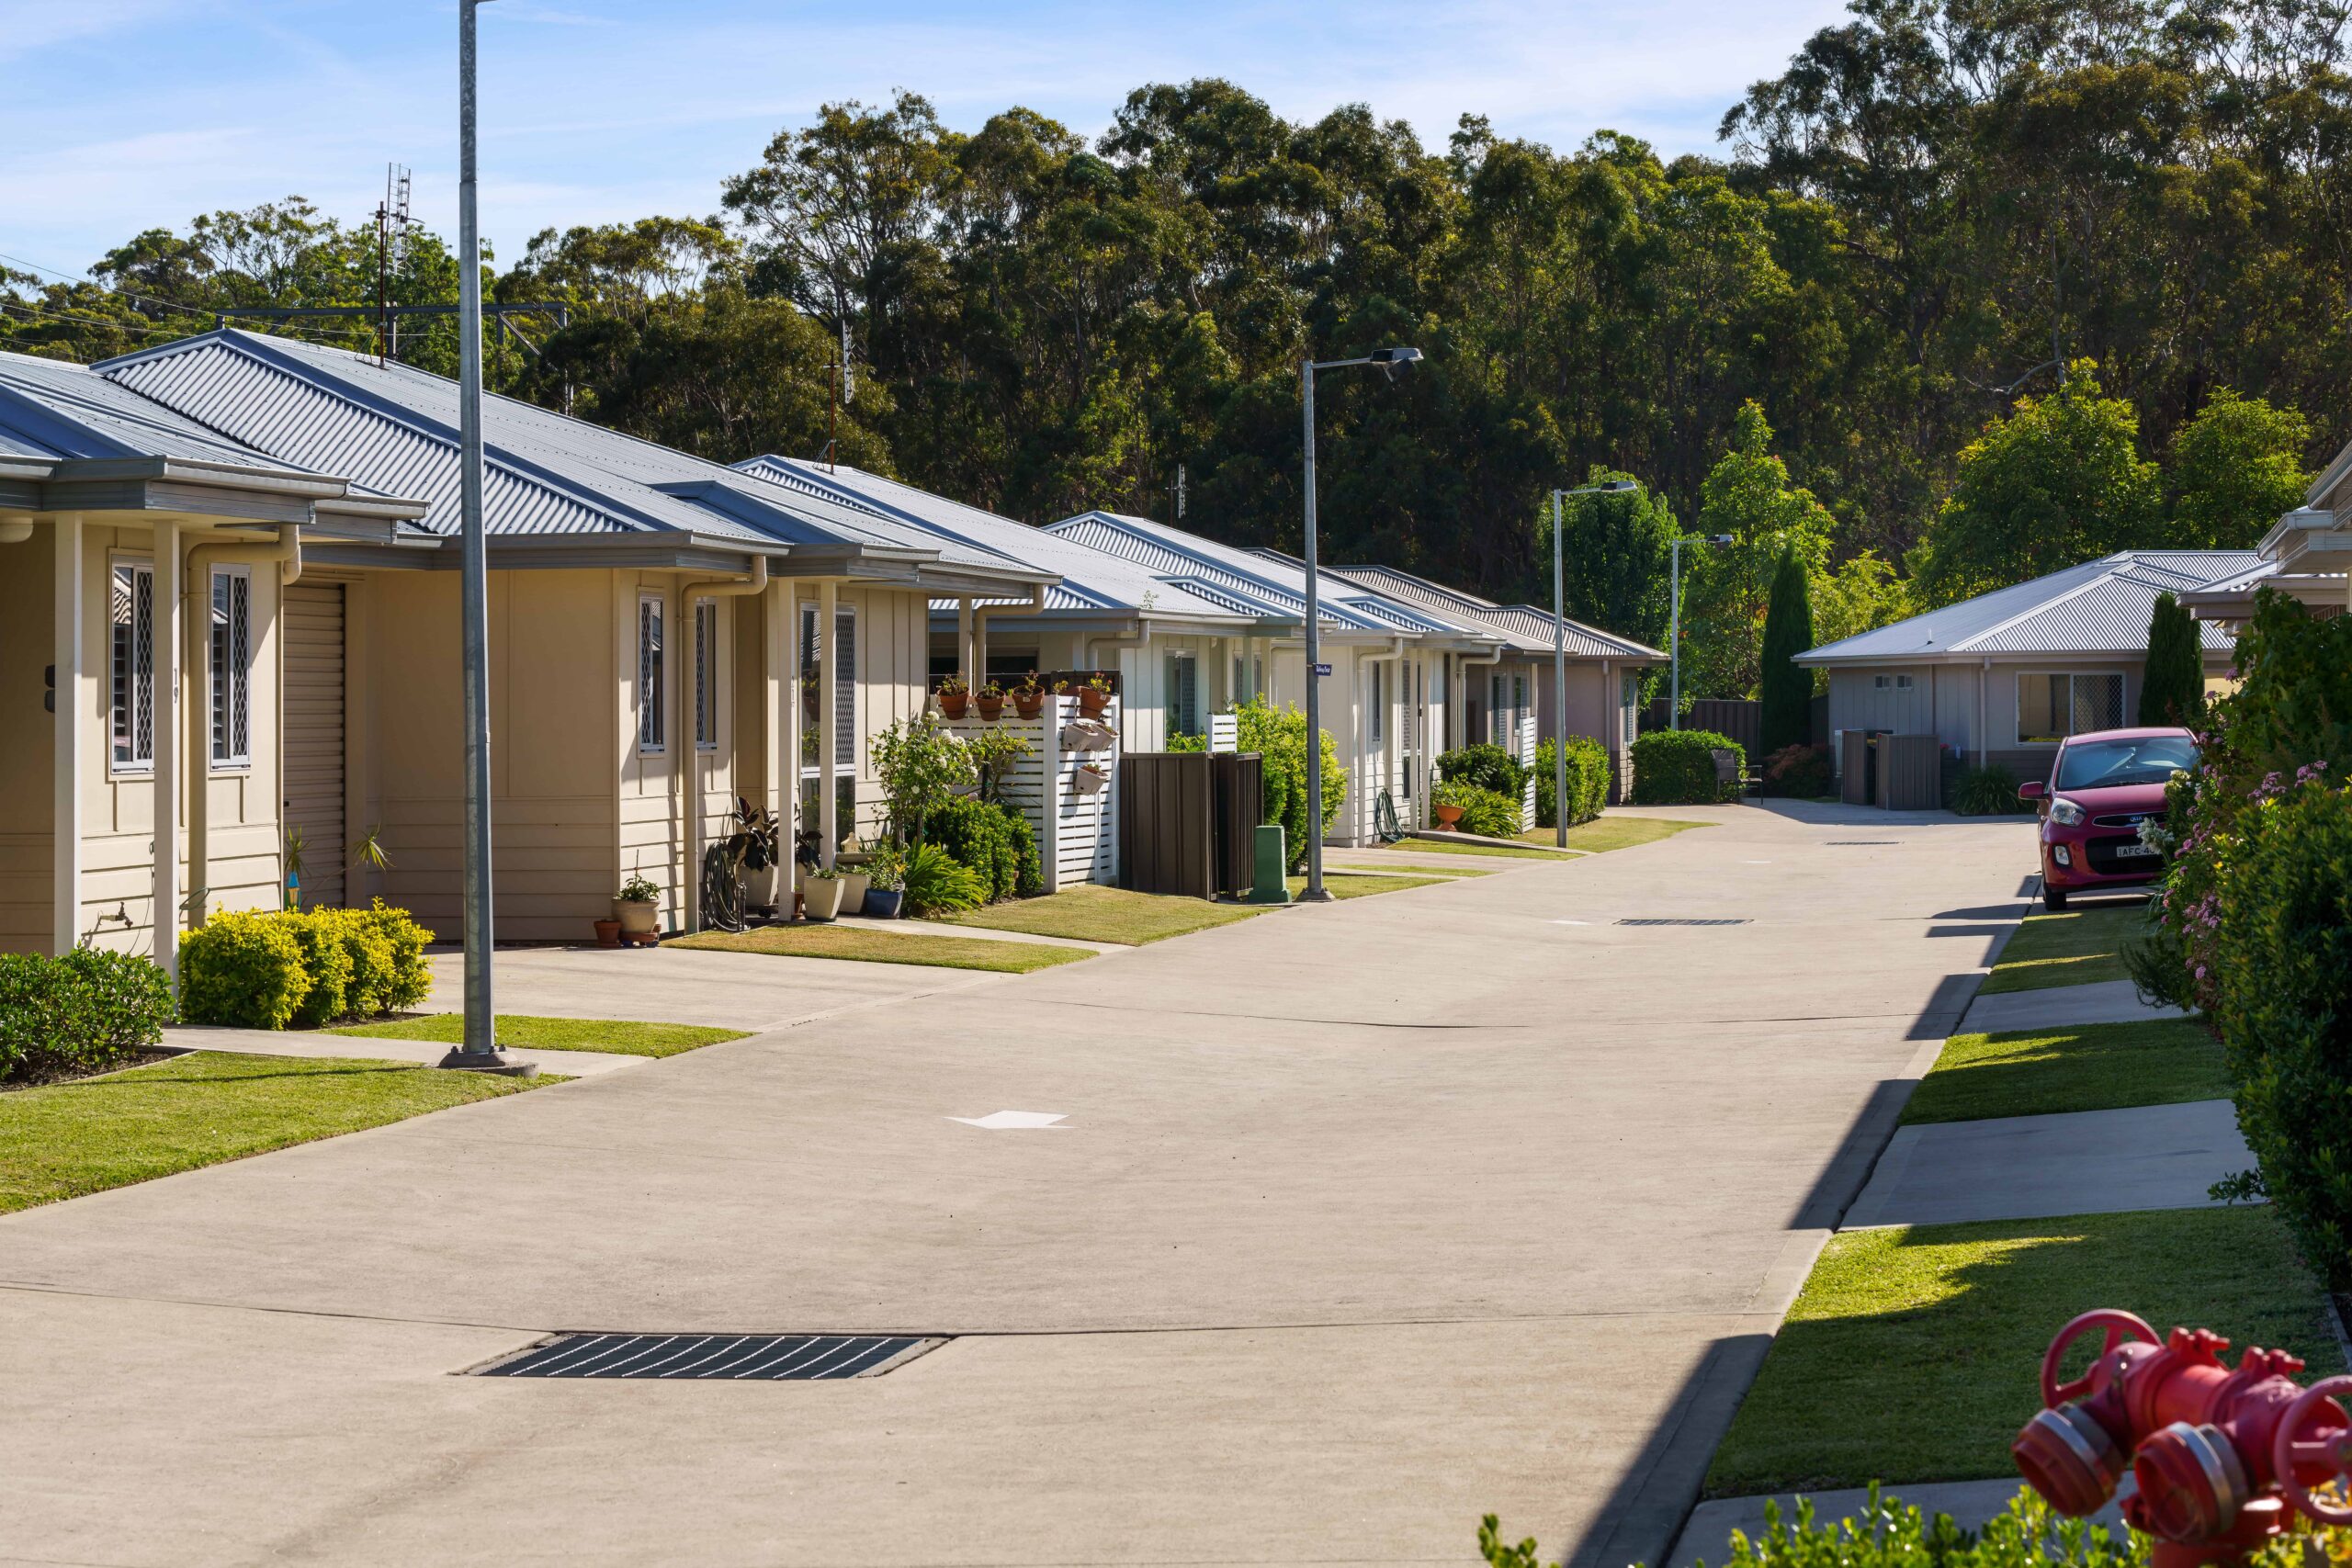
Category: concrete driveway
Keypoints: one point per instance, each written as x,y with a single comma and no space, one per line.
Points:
1363,1220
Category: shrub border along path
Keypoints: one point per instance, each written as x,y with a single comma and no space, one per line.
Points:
65,1140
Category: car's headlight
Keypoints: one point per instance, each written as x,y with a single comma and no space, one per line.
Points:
2066,813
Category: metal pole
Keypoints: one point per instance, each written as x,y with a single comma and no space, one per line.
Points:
1559,685
1314,893
481,1048
1674,635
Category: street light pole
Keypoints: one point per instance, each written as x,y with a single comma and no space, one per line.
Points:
1389,360
1560,658
479,1051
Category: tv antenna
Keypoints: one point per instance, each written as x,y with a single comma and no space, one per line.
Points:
392,253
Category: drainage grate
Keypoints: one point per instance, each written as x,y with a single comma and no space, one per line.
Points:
1872,843
766,1356
1674,922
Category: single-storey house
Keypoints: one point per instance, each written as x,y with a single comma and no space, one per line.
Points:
157,590
1604,671
1181,649
666,633
2307,554
2003,678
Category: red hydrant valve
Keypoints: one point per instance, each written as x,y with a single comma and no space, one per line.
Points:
2213,1450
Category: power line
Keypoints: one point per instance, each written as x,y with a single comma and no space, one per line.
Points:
198,313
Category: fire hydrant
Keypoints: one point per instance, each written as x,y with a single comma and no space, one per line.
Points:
2219,1454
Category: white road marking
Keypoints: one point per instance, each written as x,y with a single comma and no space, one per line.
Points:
1569,922
1008,1121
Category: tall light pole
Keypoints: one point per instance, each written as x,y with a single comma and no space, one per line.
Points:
1560,658
1674,631
480,1050
1389,360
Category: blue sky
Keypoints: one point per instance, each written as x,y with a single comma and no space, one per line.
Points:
122,115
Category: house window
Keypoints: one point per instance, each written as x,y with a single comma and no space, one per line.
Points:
232,665
1183,696
1375,699
131,594
844,685
1494,708
649,723
2052,707
706,675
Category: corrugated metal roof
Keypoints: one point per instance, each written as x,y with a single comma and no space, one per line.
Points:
51,408
395,428
1173,553
2100,606
1525,627
1091,579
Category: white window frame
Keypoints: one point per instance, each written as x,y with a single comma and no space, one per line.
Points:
231,651
706,624
136,688
1375,702
1181,671
2018,711
652,664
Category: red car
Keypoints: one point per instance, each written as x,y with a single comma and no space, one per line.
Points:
2101,787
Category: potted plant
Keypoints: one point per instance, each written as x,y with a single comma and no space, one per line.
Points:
1092,778
820,891
637,907
886,872
990,698
953,695
1029,697
609,933
1447,800
1094,694
854,882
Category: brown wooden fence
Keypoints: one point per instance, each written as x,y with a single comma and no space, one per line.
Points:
1738,717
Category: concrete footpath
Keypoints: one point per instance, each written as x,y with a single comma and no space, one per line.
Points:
1358,1222
2062,1007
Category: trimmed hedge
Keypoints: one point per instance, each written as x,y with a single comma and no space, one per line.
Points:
80,1012
993,840
1587,781
2282,951
1483,766
270,969
1673,767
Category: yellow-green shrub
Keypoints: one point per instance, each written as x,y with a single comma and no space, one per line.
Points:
244,969
306,968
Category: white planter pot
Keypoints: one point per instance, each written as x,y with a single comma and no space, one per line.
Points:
637,919
852,886
758,888
822,897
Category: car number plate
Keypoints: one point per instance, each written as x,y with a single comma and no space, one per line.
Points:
2123,850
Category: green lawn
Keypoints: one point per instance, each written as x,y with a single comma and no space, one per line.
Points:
1608,832
1913,1354
883,947
522,1031
1449,846
2071,949
68,1139
1105,914
1354,885
2097,1066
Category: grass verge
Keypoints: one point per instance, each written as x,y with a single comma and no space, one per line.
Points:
204,1108
1105,914
1914,1354
882,947
526,1032
1354,885
2071,949
2095,1067
1448,847
1607,832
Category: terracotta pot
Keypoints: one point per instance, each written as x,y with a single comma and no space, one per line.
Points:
1028,707
822,896
1091,701
609,933
953,708
638,920
992,708
1447,816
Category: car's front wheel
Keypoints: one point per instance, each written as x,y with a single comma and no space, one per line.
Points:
2053,898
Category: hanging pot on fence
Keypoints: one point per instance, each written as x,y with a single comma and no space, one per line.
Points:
1090,779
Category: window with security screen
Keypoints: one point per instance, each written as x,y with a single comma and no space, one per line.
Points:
231,666
2054,705
131,671
706,675
844,685
651,728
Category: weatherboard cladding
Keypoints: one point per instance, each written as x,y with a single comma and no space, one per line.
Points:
1091,578
53,408
2099,606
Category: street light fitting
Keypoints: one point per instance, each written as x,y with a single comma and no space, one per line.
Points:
1720,539
1395,356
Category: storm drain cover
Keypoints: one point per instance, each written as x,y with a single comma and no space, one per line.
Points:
1864,843
1676,922
767,1357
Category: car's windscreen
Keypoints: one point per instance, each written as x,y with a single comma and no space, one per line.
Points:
2110,764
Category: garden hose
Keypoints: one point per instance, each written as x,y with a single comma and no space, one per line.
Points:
1384,817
